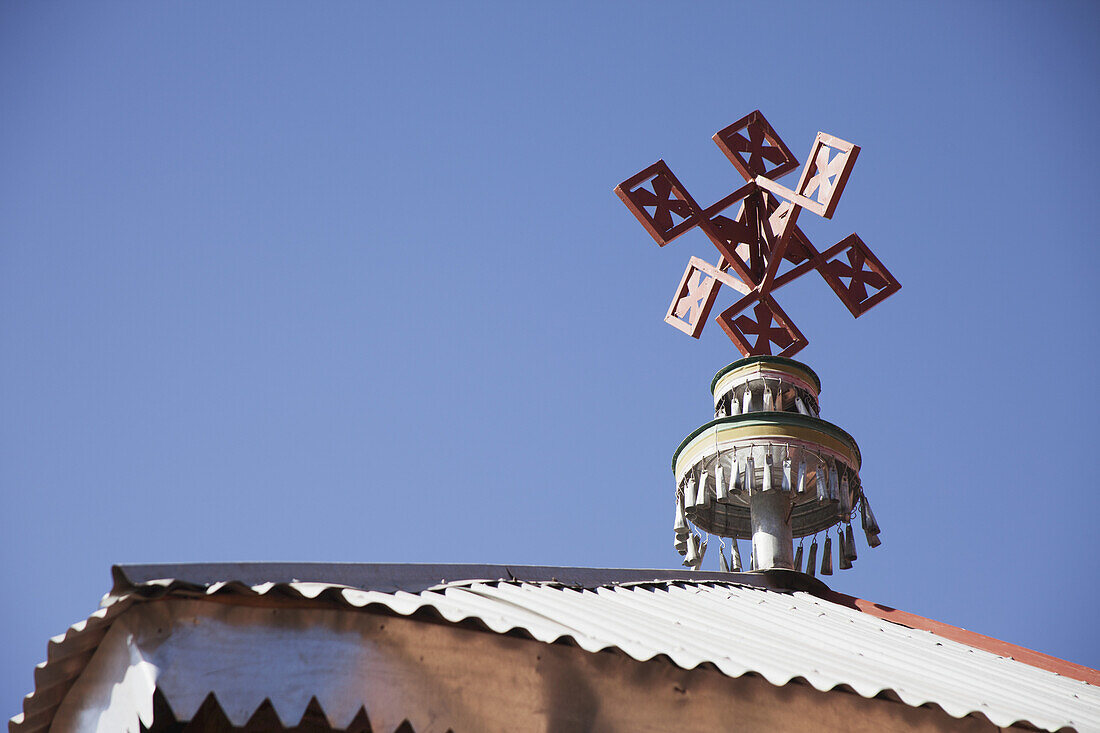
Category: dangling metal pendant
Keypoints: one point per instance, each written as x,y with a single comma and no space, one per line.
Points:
702,553
821,481
800,405
735,556
702,498
850,541
827,556
746,401
788,474
681,544
845,496
689,491
767,462
870,526
750,475
802,476
721,490
868,516
681,522
811,559
722,564
769,401
798,558
692,550
842,551
731,479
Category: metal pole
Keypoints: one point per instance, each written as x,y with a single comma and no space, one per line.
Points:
772,544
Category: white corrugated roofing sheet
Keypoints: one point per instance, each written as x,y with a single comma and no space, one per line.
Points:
737,628
780,636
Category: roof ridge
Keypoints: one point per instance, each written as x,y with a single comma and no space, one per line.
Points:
417,577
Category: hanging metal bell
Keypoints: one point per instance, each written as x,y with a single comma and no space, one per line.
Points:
702,496
868,516
811,559
746,400
735,556
731,480
827,557
767,462
821,481
845,497
692,550
842,551
699,557
850,542
721,490
798,558
802,476
769,400
722,564
800,405
834,483
788,475
681,544
689,490
680,526
750,475
870,526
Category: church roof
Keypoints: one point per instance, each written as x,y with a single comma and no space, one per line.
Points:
784,627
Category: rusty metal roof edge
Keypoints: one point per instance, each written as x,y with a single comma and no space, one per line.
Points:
418,577
993,645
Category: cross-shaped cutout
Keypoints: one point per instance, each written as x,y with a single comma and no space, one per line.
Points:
762,144
665,208
761,316
862,282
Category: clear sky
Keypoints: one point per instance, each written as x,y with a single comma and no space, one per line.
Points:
348,282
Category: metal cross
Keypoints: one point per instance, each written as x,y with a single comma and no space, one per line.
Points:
761,239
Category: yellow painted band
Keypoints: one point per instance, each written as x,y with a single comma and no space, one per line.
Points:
704,442
749,370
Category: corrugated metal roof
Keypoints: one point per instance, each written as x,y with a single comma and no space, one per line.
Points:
783,636
66,656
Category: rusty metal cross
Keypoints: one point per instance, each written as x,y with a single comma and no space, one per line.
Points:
761,239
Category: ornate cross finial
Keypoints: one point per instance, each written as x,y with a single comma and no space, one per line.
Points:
761,239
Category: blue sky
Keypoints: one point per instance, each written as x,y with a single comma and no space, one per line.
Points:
348,282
